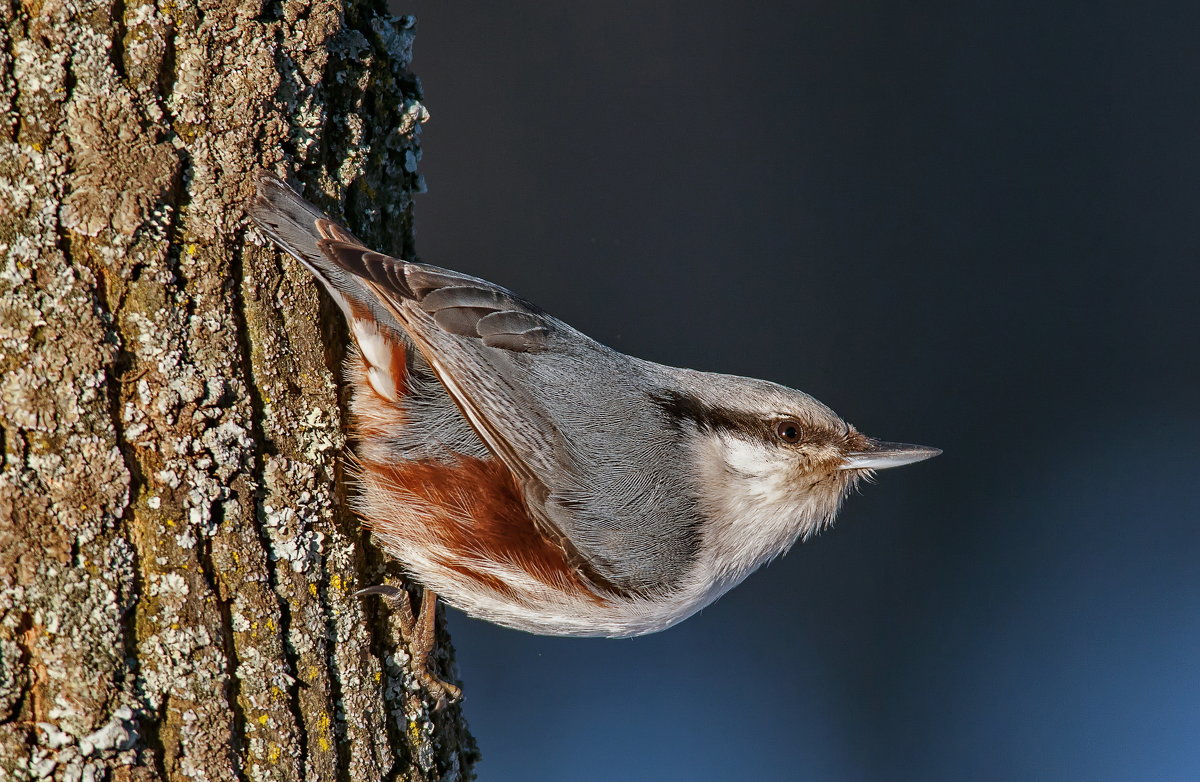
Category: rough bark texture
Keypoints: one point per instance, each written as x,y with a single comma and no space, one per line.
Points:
176,565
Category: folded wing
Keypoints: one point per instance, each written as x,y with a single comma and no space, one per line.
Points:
505,363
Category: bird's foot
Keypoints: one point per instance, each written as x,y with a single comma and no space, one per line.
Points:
420,634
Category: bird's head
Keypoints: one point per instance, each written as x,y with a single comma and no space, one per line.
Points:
770,464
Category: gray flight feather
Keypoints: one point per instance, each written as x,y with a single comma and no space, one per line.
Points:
527,383
436,428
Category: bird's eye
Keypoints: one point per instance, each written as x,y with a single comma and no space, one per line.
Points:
789,431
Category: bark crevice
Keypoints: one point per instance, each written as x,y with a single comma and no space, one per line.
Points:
266,449
117,50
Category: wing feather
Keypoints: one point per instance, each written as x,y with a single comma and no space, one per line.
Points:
512,371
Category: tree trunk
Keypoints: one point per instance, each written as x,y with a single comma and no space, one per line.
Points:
176,561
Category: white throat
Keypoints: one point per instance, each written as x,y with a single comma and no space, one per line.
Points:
756,503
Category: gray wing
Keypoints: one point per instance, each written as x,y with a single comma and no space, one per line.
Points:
464,327
569,417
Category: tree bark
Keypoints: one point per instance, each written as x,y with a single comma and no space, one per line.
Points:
176,561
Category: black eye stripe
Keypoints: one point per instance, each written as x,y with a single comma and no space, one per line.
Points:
679,408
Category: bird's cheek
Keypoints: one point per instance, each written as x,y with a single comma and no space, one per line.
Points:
817,478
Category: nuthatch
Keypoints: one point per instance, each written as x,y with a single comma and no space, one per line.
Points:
538,479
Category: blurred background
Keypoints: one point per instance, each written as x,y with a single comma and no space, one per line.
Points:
971,225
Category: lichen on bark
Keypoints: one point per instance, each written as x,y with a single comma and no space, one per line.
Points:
177,567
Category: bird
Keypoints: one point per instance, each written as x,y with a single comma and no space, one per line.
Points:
533,477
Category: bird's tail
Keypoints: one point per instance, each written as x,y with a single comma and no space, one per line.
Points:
296,226
304,231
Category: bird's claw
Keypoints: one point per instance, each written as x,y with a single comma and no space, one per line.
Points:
419,632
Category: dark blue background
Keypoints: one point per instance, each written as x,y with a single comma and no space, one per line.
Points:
970,224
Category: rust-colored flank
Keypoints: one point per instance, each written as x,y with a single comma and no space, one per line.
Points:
462,513
474,509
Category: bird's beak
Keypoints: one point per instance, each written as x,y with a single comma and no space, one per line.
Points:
880,456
